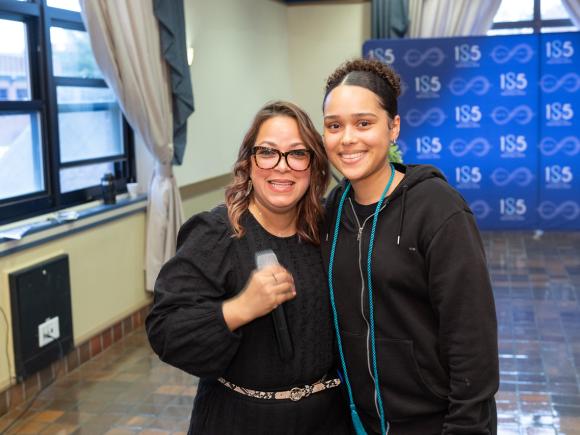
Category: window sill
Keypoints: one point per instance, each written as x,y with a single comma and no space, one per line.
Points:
45,228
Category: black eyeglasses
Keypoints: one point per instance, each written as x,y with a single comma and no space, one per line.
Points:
269,158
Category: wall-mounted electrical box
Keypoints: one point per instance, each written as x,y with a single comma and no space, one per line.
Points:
41,315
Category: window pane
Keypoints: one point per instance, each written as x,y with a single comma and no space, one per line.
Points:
515,31
72,55
515,10
21,170
559,29
553,10
81,177
14,75
71,5
89,122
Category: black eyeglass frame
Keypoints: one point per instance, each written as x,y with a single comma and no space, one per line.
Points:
257,148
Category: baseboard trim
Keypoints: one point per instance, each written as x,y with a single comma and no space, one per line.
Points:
23,391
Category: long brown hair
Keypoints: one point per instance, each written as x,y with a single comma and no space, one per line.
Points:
309,208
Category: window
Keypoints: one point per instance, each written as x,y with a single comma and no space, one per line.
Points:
61,128
72,5
531,16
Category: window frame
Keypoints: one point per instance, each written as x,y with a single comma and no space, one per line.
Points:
39,18
536,23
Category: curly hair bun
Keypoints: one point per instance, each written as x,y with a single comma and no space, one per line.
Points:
367,65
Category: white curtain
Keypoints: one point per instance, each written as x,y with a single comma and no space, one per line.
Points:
573,8
440,18
125,39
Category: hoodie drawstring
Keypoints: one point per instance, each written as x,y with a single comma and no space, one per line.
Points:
359,429
402,217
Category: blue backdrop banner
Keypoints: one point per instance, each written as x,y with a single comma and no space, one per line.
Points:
499,116
559,146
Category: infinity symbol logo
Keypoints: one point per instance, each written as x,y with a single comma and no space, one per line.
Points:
522,53
480,209
503,177
479,146
434,117
521,114
434,57
569,210
569,82
478,85
570,145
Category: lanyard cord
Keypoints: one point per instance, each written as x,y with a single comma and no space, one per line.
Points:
384,424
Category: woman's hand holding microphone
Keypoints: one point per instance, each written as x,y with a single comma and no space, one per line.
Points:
266,289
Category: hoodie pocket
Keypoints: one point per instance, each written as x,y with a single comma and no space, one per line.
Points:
404,390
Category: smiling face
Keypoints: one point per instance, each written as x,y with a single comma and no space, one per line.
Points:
279,189
357,134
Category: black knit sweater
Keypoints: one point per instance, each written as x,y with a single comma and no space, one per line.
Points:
186,327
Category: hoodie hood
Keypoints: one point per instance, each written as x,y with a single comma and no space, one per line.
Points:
414,175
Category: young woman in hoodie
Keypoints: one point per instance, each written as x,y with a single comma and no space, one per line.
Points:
412,301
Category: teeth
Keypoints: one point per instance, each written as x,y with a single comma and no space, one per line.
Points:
352,156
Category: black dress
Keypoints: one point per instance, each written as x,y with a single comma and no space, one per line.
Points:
186,329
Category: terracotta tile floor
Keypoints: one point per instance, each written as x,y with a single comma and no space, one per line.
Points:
126,390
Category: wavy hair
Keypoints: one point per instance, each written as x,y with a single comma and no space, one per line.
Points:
309,208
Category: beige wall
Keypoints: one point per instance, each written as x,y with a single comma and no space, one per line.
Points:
321,36
204,196
106,275
240,62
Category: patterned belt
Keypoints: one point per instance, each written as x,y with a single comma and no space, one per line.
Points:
295,394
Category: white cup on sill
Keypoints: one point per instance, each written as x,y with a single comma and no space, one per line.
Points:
133,190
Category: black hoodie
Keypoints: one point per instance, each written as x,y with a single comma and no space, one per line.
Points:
435,322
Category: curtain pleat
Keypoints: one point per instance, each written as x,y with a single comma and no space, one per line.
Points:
573,8
389,18
441,18
125,39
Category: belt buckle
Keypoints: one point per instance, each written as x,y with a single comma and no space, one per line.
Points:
297,393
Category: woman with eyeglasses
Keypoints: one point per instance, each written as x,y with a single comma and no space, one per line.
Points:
260,339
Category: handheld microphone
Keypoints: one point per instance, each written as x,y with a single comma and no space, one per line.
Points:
285,348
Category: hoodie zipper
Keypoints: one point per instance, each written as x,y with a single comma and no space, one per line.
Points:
362,292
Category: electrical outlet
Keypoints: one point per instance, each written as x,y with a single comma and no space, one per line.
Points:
48,331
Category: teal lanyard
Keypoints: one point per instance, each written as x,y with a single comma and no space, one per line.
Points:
356,420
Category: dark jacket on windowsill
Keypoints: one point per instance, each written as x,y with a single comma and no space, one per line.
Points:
435,321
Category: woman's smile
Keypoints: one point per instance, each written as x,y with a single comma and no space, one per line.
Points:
281,186
350,158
